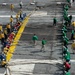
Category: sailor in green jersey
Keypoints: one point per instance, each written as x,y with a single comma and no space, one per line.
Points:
64,29
72,35
65,37
43,44
70,19
67,73
66,18
65,42
64,26
66,23
66,7
65,13
67,56
68,1
64,34
54,21
65,49
34,38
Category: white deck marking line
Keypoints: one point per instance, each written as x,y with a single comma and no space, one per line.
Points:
26,68
7,16
34,15
34,61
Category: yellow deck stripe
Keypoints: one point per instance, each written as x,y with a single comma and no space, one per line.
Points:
16,39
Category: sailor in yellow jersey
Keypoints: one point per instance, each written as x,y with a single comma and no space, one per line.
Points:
1,29
17,17
5,50
8,28
3,63
11,7
73,47
73,24
2,37
5,33
20,13
11,20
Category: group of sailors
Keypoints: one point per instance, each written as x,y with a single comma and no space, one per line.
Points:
8,33
12,6
66,53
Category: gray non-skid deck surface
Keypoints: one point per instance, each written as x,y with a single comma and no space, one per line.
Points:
43,27
26,50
